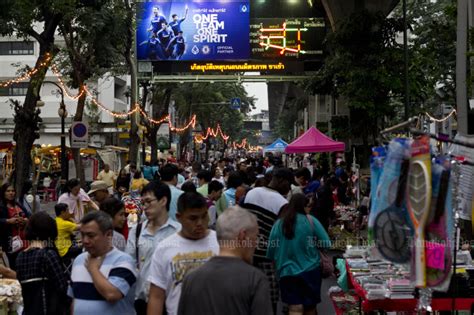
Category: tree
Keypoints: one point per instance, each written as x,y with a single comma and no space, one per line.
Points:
363,66
93,41
433,51
160,101
21,18
131,64
210,102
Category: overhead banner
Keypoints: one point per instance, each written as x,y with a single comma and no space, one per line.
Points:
193,30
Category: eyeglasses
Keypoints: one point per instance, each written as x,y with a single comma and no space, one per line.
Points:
147,201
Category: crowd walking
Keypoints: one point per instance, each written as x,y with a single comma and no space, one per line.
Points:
239,243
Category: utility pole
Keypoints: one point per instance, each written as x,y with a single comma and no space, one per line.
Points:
406,99
461,65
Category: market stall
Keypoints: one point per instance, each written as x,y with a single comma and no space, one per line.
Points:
312,141
276,147
415,262
380,285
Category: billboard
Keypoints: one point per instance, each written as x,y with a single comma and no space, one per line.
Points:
193,30
287,38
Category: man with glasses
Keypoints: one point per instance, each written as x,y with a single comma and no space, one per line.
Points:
146,236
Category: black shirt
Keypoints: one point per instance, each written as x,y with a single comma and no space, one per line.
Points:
41,271
225,285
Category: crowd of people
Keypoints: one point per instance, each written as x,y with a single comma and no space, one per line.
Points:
229,236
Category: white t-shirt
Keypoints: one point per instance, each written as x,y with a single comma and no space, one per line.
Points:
266,198
174,257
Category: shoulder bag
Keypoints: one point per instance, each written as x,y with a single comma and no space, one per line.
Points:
327,268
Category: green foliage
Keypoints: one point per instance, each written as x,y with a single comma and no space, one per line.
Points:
366,58
17,17
432,51
94,41
363,66
211,104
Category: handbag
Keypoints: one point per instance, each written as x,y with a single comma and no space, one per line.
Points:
16,244
325,261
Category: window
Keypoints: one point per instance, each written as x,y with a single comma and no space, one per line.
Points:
16,48
16,89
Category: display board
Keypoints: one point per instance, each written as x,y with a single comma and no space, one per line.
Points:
193,30
200,36
287,38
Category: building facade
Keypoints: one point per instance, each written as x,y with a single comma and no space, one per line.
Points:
15,54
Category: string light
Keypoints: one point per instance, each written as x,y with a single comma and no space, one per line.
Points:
58,75
242,145
191,123
211,132
29,73
136,108
453,112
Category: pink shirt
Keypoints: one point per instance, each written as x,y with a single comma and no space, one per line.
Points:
75,203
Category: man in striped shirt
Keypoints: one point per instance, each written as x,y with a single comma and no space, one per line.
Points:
267,203
103,278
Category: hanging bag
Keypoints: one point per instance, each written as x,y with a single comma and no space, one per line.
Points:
325,261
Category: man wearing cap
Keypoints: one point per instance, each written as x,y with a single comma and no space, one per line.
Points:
267,203
99,191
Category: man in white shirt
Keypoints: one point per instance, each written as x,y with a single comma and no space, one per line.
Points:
180,253
108,176
146,236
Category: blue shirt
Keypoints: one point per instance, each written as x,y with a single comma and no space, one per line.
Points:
230,197
147,244
119,270
175,193
156,22
165,36
176,26
150,171
300,254
179,42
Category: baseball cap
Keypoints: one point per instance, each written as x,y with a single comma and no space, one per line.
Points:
97,185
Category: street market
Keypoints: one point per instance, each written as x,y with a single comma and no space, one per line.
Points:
209,157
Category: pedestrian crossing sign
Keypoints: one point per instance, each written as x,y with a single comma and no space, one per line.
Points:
235,103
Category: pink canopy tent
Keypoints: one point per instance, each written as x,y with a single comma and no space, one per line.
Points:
314,140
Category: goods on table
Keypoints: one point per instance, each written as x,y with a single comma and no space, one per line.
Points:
10,296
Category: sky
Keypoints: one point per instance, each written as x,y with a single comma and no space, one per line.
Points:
259,91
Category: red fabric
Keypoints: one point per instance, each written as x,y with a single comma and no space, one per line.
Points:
314,140
125,230
17,230
388,305
5,145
